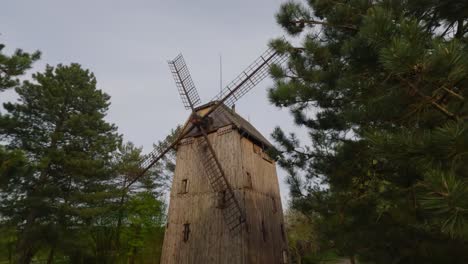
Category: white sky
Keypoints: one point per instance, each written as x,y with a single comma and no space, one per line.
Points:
127,43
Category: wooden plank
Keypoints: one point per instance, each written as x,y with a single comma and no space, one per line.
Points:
255,184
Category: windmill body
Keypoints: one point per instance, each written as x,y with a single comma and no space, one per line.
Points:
198,215
225,204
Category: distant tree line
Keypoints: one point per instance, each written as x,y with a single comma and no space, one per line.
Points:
63,173
381,88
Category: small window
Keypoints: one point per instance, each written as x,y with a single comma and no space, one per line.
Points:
249,180
186,232
273,201
257,149
264,234
184,186
221,199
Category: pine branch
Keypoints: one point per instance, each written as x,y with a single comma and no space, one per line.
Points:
430,99
459,96
302,22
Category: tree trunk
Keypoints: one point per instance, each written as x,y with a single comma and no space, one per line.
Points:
120,216
50,258
25,255
10,253
25,243
352,260
134,253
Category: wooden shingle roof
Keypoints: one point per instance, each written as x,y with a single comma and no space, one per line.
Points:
224,116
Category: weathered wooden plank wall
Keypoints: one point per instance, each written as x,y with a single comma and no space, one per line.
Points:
255,183
263,205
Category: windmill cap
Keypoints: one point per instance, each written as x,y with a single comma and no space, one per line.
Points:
226,116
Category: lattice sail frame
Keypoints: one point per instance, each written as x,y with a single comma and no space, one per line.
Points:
251,76
155,154
159,151
187,91
243,83
232,212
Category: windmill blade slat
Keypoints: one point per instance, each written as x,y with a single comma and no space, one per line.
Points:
157,154
149,161
232,212
187,91
255,73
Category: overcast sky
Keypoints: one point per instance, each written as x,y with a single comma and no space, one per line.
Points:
127,44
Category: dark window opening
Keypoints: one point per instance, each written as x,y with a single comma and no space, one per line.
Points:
273,200
221,199
264,234
184,186
283,234
249,180
257,149
186,232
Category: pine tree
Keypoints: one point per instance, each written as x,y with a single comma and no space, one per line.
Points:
59,124
130,229
380,87
14,65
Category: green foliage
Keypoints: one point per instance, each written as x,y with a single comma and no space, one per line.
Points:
139,214
443,198
291,11
59,124
14,65
13,167
380,87
145,218
302,237
64,173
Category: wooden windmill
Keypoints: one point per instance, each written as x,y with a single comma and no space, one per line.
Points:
225,205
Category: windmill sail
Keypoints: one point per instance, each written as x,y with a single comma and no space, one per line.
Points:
157,154
251,76
243,83
187,91
232,212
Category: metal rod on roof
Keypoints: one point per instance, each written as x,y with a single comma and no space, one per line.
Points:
220,72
